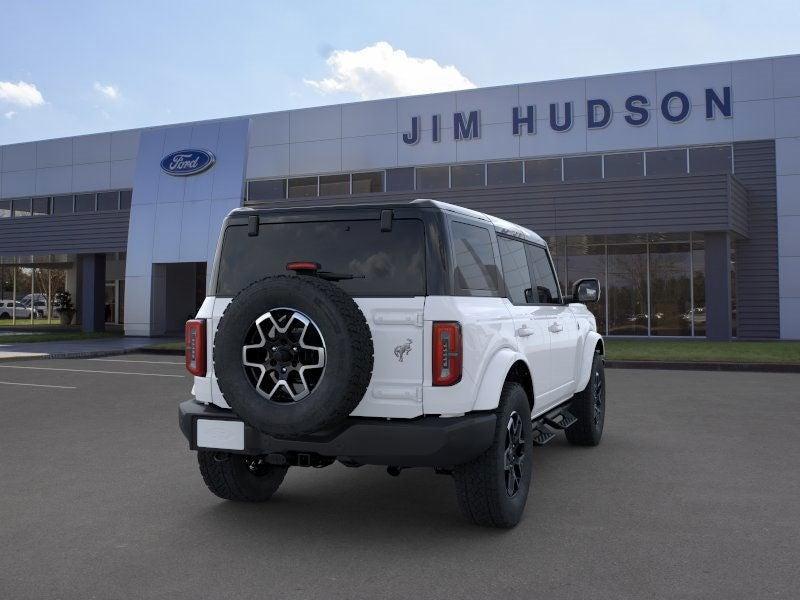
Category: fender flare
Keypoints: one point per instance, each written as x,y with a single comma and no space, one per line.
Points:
592,340
494,376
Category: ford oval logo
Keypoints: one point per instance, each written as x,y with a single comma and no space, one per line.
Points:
187,162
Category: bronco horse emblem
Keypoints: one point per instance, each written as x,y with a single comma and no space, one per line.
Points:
403,349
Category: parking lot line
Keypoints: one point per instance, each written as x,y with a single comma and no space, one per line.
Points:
91,371
42,385
148,362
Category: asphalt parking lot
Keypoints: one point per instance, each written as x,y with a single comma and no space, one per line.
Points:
694,493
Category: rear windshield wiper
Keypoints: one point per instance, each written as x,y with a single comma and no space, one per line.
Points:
329,276
314,269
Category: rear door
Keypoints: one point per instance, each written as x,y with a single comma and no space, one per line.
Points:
560,322
530,320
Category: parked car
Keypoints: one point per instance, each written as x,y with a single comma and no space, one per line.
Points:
39,305
414,334
14,308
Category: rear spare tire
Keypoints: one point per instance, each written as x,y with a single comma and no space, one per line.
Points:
293,355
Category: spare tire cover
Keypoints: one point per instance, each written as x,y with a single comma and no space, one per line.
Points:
293,355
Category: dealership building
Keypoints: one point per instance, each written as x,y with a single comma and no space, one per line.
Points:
678,188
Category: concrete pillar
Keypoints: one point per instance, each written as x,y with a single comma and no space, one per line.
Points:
718,286
93,288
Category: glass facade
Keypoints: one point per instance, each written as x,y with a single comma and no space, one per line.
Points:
504,173
38,291
45,291
433,178
580,168
628,164
663,163
302,187
651,284
334,185
20,208
367,183
468,175
585,167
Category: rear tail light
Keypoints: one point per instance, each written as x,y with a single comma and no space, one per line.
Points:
447,353
196,347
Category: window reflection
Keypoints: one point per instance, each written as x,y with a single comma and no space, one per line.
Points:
588,261
334,185
734,302
303,187
433,178
627,289
699,285
670,294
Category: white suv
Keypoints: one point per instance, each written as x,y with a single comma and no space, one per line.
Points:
10,309
406,335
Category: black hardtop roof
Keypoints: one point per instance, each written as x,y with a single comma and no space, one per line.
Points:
362,206
374,208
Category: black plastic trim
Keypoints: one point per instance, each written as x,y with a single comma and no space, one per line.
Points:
423,442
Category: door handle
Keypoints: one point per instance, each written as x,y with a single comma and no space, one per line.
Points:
524,331
555,327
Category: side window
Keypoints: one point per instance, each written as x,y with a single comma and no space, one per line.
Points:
515,270
544,281
476,269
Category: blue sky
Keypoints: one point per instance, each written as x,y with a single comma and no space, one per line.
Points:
69,68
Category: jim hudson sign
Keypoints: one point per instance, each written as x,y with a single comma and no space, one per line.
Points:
674,106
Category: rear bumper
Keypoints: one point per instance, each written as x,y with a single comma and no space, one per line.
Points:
426,441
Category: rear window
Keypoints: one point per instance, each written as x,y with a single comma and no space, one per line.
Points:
385,263
475,265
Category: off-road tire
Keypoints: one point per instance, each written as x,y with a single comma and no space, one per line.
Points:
589,407
228,476
349,355
481,483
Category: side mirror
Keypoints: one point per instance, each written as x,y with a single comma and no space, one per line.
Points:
586,290
529,295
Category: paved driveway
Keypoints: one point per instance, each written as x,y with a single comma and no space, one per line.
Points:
693,493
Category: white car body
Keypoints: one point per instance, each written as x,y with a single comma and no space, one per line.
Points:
10,308
555,343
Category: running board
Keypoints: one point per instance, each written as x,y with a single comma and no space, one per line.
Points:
559,419
542,435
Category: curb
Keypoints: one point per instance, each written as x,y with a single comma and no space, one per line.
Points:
61,355
704,366
162,351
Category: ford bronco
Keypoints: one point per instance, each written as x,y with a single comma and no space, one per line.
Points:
416,334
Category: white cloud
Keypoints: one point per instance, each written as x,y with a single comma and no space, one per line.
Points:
20,93
109,91
380,71
10,114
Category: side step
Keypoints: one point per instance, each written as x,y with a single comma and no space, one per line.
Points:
542,435
560,418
